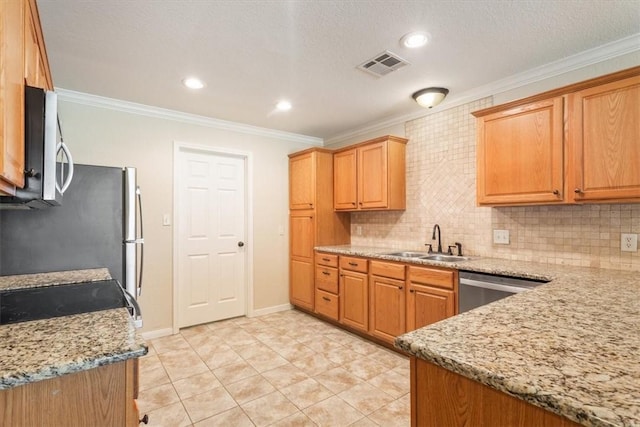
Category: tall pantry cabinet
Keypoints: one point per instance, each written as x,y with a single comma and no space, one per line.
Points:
312,220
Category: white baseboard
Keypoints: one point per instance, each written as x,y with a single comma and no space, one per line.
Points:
149,335
269,310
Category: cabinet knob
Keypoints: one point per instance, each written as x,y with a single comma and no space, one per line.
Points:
411,290
401,288
556,192
577,191
353,203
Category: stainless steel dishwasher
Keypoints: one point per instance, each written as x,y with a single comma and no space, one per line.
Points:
477,289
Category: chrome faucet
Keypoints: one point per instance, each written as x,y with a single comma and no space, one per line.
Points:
433,237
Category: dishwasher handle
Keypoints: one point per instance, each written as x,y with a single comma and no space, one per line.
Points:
494,286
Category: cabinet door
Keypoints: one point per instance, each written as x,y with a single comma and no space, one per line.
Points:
605,135
301,235
427,305
301,288
388,316
302,172
345,180
372,176
11,95
354,300
520,155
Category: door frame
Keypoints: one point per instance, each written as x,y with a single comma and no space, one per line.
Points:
178,148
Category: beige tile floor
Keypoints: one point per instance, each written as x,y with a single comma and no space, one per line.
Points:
282,369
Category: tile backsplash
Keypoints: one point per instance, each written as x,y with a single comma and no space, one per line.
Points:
441,187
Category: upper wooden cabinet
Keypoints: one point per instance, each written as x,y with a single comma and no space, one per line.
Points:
302,183
575,144
22,59
370,175
604,134
520,154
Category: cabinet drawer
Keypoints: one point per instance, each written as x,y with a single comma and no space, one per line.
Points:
327,304
432,276
327,279
353,264
387,269
327,259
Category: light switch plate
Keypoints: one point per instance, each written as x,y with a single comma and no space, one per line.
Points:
166,220
629,242
501,237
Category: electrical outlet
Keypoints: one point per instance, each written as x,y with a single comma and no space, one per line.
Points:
166,220
628,242
281,230
501,237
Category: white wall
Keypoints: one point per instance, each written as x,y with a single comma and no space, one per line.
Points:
113,138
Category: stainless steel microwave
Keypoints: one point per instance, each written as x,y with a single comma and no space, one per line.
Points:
42,170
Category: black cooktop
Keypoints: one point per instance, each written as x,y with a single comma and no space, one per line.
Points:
21,305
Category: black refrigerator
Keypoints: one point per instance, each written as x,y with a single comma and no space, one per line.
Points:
96,226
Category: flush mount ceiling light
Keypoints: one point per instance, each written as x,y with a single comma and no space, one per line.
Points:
430,97
283,105
193,83
415,39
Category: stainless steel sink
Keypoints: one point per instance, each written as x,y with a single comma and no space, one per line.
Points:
409,254
445,258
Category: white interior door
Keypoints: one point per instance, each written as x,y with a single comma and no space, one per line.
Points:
212,228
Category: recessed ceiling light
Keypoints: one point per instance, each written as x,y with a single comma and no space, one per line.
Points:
193,83
415,39
283,105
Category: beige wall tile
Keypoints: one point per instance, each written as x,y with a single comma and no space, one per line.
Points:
441,188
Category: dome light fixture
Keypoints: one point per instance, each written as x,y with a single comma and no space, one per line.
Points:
415,39
430,97
283,105
193,83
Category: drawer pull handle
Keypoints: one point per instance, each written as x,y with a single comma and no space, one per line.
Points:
326,259
326,299
353,264
326,273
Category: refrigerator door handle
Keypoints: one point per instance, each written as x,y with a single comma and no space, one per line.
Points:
140,241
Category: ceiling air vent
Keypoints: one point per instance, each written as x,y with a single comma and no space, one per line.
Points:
382,64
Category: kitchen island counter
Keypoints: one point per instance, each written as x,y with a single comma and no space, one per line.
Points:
43,349
571,346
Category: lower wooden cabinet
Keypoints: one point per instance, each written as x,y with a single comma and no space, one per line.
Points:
301,292
354,300
388,308
327,304
382,299
432,296
443,398
103,396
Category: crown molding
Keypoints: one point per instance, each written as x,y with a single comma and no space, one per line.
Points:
166,114
583,59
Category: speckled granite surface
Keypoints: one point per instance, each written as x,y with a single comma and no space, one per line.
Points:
571,346
42,349
54,278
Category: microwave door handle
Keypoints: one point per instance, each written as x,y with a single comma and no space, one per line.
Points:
141,241
63,147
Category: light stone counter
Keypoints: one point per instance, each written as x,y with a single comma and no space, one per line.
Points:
571,346
54,278
48,348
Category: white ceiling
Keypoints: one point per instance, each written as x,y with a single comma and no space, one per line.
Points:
252,53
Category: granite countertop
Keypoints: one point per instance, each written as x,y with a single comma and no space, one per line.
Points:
42,349
54,278
571,346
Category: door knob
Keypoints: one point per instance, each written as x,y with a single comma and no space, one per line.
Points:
240,244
